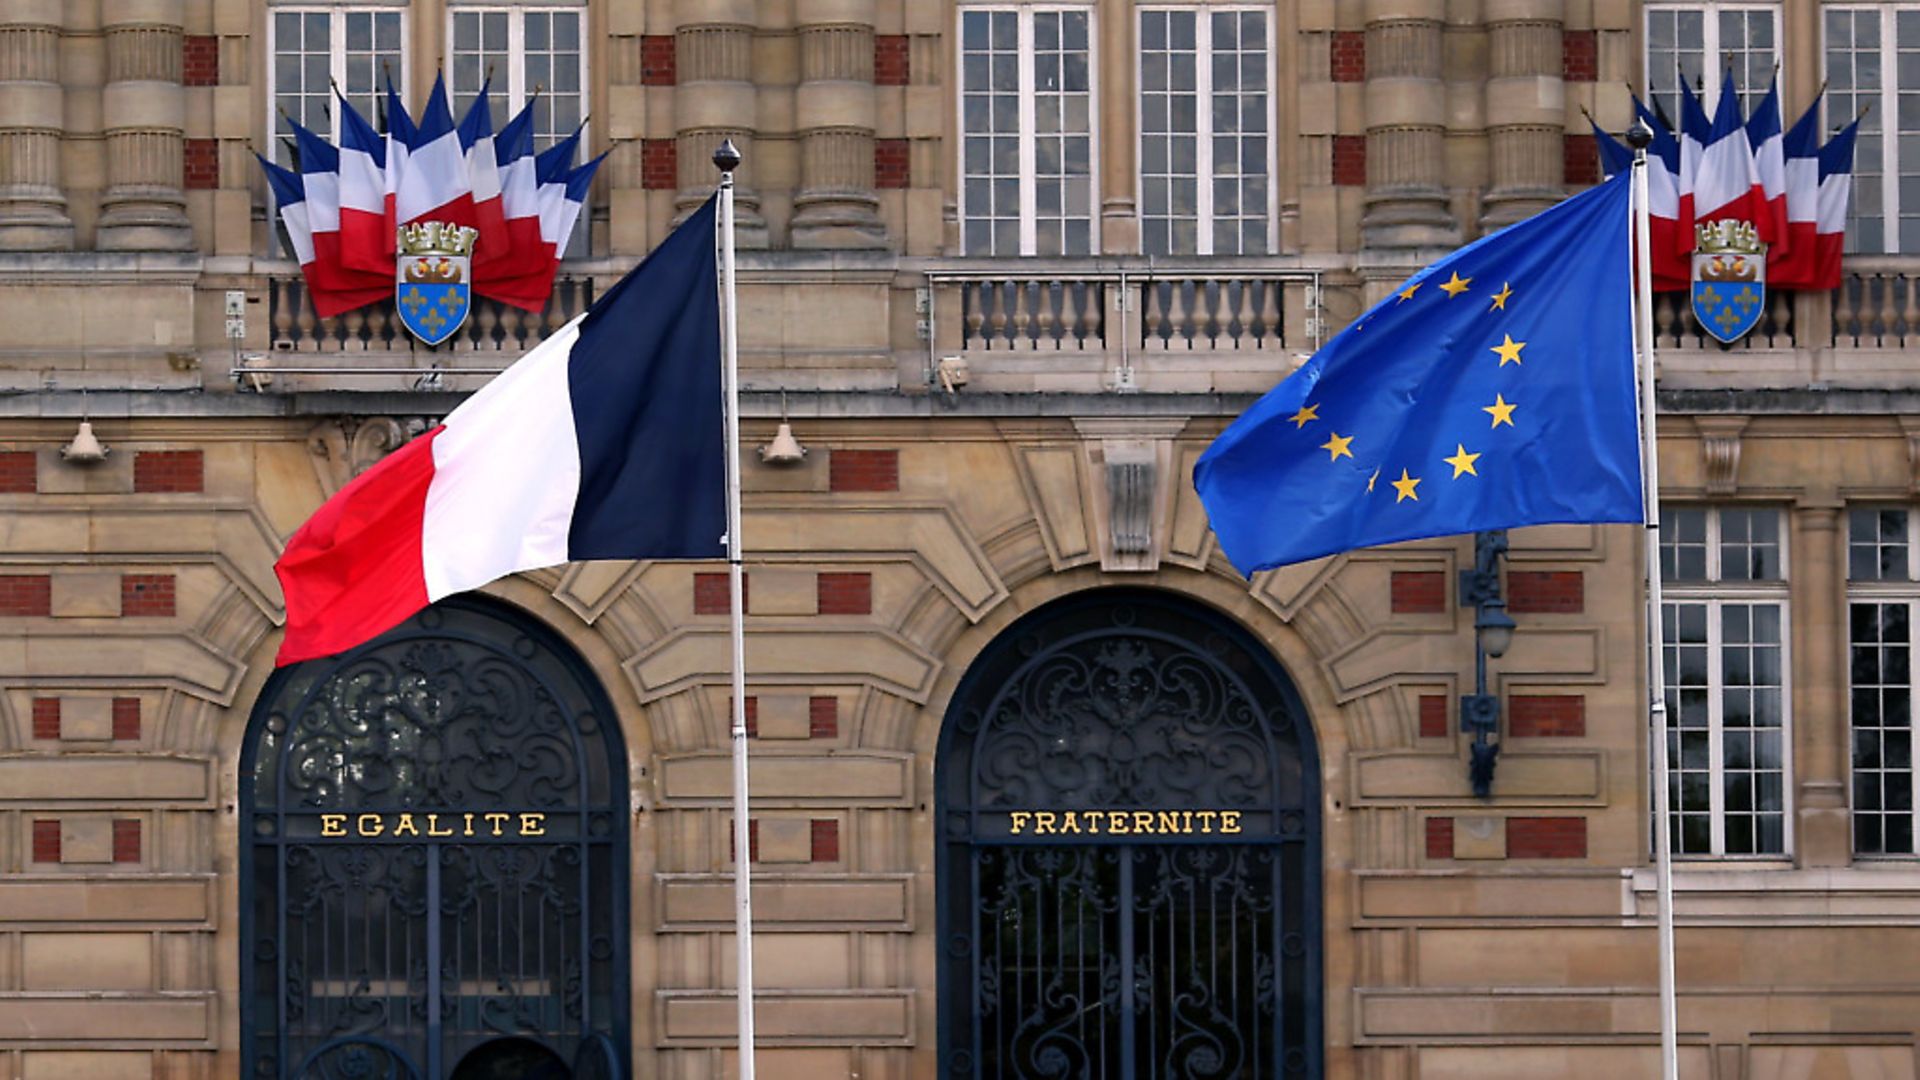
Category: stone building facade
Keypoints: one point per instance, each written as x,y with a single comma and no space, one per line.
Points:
1007,268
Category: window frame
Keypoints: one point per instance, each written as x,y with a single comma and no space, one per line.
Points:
579,244
1203,123
1903,590
1024,11
1886,105
1715,594
336,57
1710,46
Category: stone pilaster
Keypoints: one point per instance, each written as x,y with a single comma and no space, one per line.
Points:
33,210
1819,781
1526,109
1406,128
716,100
834,112
1118,62
143,112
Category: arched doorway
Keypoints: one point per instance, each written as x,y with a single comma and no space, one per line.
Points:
433,857
1128,798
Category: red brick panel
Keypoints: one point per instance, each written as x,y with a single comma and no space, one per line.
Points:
169,471
18,476
710,593
823,718
891,167
1580,158
659,164
46,718
1580,56
26,594
656,60
1546,592
863,470
126,840
146,594
1349,56
200,60
1350,160
46,841
890,63
201,164
126,719
1439,838
1547,715
753,716
845,593
1433,716
1546,838
826,840
753,841
1419,592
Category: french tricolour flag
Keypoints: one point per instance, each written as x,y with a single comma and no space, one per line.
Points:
1790,265
1692,135
483,172
1669,238
1765,136
434,185
289,194
604,442
1726,186
561,192
320,181
517,168
366,233
1836,190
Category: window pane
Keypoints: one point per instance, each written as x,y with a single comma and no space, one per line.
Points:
1881,723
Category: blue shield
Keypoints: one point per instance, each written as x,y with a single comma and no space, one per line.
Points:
432,294
1729,292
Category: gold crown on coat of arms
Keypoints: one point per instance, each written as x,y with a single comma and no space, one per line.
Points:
436,238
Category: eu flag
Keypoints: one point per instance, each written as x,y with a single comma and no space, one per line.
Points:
1494,389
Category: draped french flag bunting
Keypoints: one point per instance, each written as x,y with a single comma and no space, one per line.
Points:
1739,204
431,212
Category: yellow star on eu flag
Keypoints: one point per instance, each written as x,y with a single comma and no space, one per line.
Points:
1336,446
1501,410
1306,413
1455,285
1405,486
1371,479
1508,349
1462,461
1406,294
1500,298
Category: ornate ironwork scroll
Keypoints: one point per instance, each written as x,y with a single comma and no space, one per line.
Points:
1099,919
436,854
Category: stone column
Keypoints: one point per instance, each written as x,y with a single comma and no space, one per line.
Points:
33,210
836,206
143,113
1820,736
715,100
1526,109
1406,128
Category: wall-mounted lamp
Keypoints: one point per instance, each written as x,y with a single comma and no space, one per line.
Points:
784,449
85,449
1492,635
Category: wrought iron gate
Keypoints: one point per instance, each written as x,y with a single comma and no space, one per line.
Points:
434,867
1129,805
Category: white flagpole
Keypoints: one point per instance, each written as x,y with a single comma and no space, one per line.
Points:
728,159
1640,137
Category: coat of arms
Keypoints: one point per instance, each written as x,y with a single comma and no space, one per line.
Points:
432,281
1729,278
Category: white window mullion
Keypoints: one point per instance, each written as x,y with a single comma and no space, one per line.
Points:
1203,130
337,62
1716,716
1029,239
1889,107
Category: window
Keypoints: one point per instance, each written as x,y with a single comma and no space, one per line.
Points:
1724,620
1701,40
1026,111
524,48
1882,602
1873,61
1203,171
315,47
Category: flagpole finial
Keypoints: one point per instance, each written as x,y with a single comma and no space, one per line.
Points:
727,157
1639,136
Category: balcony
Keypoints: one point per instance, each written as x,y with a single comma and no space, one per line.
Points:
1229,326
